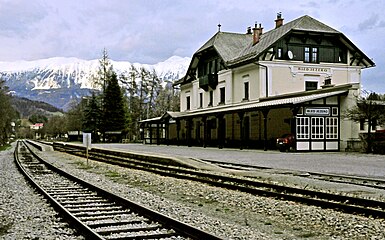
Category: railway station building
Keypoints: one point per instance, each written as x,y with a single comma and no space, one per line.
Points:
246,89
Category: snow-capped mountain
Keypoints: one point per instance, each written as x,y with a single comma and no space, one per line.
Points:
58,80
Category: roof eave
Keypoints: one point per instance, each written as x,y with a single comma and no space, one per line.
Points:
353,47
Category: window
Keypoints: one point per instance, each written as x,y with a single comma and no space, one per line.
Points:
317,128
342,56
222,95
209,66
200,100
279,53
302,127
374,124
311,55
211,98
331,128
362,124
334,111
311,85
328,81
307,54
246,90
188,103
314,55
219,67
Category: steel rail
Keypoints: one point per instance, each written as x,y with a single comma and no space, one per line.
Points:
84,229
345,179
329,177
347,204
179,227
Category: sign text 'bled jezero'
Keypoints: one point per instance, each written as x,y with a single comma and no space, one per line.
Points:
317,111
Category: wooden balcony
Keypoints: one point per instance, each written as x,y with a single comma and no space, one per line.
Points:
210,80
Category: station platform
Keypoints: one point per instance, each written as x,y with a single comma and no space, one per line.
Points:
346,163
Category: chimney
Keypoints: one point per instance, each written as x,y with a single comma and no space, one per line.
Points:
279,20
248,30
260,30
256,34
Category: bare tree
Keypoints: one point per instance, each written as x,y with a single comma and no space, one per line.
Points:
167,100
368,109
105,70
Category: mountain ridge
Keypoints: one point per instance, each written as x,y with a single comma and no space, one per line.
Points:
60,80
26,107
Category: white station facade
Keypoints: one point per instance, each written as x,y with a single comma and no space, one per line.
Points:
246,89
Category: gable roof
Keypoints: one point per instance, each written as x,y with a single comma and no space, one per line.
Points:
166,115
304,24
232,46
236,49
227,45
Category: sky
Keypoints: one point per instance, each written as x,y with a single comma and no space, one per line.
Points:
150,31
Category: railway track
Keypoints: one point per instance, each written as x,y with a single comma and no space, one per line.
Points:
353,180
353,205
96,213
345,179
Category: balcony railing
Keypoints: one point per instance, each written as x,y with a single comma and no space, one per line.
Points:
210,80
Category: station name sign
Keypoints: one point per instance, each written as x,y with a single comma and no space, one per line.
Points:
317,111
313,69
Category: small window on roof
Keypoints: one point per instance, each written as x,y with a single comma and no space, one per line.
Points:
279,53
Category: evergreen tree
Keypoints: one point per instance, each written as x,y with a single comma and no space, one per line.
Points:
103,78
145,98
7,114
114,107
92,116
75,116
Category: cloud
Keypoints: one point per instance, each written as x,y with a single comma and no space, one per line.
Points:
372,22
17,19
149,31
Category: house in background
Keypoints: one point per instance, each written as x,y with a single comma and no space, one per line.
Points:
36,127
245,90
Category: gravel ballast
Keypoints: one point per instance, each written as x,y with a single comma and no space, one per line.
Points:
24,214
227,214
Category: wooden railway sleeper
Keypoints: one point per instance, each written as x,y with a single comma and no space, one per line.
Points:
113,222
101,213
94,204
126,228
91,209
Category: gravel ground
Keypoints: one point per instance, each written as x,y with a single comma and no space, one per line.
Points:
225,213
24,214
